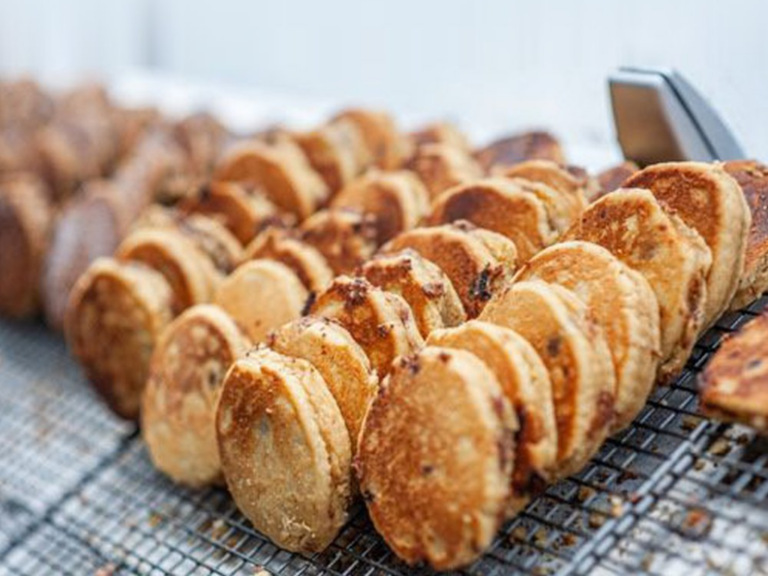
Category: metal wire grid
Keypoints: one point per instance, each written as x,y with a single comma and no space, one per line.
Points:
52,430
705,519
50,551
673,492
709,513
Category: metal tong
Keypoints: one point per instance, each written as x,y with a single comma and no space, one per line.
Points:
660,117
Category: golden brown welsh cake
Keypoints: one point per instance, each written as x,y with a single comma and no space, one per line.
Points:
334,151
346,238
396,200
515,149
574,350
734,386
115,315
443,133
525,382
552,174
614,177
385,145
242,211
285,451
25,221
632,225
72,153
622,302
208,234
562,211
435,456
179,402
262,295
426,288
711,202
477,262
381,322
442,166
499,205
19,152
279,170
342,363
89,227
500,247
214,240
588,183
753,178
189,272
155,216
202,138
305,260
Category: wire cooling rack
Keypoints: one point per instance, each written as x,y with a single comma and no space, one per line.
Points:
673,494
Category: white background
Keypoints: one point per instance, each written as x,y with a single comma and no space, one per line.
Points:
494,66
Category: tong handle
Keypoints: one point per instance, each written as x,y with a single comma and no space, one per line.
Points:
660,117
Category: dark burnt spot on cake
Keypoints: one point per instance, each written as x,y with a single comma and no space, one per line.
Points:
536,485
204,193
433,289
354,292
410,363
603,414
498,405
405,262
311,298
368,496
464,226
480,288
383,330
554,343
